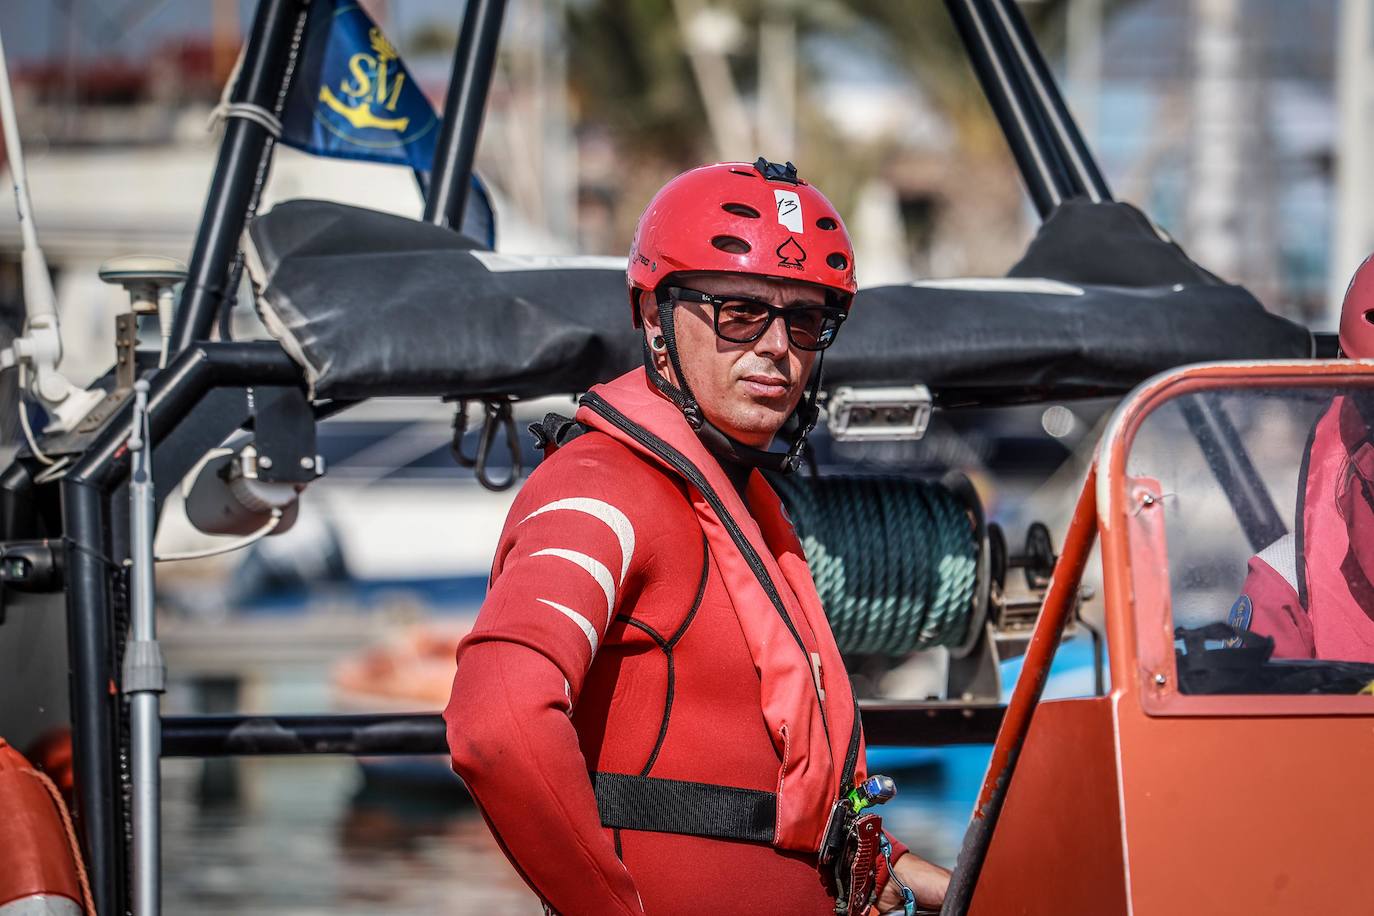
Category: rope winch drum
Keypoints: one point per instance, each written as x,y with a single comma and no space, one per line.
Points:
903,565
896,561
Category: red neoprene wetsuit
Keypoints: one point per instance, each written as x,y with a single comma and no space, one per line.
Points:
608,643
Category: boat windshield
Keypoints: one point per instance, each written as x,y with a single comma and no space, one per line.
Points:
1268,496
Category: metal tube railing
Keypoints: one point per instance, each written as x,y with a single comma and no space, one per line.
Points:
1019,111
925,724
1060,601
86,523
473,61
261,77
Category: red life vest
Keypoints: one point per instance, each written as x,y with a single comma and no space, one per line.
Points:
807,703
1336,550
1311,590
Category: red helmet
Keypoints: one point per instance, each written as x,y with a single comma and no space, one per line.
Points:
1357,313
734,217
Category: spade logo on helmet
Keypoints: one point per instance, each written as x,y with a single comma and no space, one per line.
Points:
791,254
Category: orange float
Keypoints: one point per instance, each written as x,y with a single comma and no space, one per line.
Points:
40,864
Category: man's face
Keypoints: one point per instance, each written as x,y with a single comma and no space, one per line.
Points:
746,390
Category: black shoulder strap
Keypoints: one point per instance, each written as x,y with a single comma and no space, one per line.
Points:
555,431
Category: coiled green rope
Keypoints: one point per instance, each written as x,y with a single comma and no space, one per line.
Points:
895,560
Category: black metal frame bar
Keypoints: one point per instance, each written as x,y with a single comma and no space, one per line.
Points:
1019,111
91,564
1050,151
241,153
1235,473
1073,149
939,724
473,62
1056,164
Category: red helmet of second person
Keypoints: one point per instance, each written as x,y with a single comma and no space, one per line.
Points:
1357,313
735,217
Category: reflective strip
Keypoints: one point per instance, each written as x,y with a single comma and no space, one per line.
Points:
603,511
501,262
1282,557
598,571
41,905
587,629
1038,285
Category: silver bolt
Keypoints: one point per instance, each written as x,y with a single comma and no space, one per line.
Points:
265,462
307,462
1160,679
1148,499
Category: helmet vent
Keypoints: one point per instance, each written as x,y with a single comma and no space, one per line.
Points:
1369,316
826,222
837,261
743,210
745,173
731,244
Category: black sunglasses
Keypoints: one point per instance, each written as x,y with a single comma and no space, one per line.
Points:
741,320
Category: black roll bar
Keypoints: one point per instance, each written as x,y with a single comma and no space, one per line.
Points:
91,569
473,61
1021,112
244,150
939,724
1234,471
1087,177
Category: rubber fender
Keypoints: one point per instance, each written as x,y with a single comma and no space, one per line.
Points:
38,871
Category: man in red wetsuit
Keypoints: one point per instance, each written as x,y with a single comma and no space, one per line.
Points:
1312,591
651,711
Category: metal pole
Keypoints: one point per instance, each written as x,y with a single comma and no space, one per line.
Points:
936,723
1072,148
266,60
99,808
144,672
1222,446
1003,80
473,61
1059,604
86,513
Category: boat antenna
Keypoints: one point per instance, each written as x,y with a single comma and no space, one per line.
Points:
38,351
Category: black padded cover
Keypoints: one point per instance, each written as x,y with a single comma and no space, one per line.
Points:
373,304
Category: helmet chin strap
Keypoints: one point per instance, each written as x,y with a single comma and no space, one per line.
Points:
716,440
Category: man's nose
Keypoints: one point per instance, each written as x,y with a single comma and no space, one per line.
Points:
774,342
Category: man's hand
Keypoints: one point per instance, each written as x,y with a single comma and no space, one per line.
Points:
928,882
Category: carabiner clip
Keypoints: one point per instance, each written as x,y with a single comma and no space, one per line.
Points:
498,413
460,429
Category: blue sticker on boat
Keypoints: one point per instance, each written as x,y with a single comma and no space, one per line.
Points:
1239,618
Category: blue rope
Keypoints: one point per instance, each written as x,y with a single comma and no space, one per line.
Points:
895,560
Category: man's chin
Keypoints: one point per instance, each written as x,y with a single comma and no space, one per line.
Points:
755,425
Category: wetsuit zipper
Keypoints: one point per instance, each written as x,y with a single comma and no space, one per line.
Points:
694,476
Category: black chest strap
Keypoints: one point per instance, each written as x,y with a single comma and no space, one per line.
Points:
693,808
628,802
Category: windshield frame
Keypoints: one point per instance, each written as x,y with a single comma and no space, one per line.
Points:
1139,603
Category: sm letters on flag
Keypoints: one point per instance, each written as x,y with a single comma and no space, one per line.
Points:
352,97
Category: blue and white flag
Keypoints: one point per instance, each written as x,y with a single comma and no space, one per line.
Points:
353,98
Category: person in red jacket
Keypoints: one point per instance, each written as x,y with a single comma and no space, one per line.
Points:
1312,591
651,711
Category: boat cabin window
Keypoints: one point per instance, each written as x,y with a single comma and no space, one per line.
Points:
1268,500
